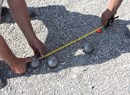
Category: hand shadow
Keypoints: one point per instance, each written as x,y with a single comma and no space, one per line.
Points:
64,26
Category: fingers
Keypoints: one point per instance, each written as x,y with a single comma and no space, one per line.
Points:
104,22
18,70
38,47
42,51
106,15
27,60
104,19
36,53
39,52
20,66
21,71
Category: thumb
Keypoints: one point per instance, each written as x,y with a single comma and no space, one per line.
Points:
28,59
104,22
42,51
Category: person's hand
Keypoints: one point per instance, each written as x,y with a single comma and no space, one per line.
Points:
19,65
38,47
106,15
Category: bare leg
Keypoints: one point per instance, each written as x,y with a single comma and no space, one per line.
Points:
17,65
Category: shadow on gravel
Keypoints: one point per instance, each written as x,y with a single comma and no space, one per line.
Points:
64,26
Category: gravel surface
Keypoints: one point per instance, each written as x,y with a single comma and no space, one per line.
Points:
105,72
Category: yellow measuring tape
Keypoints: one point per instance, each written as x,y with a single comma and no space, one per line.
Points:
70,43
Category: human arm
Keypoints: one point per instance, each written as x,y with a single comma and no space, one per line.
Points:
21,15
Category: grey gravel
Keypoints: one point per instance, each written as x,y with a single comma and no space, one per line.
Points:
104,72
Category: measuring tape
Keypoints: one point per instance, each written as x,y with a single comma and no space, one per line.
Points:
98,30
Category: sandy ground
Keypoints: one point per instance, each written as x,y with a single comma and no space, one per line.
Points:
105,72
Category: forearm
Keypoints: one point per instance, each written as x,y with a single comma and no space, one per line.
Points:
114,5
5,52
21,15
